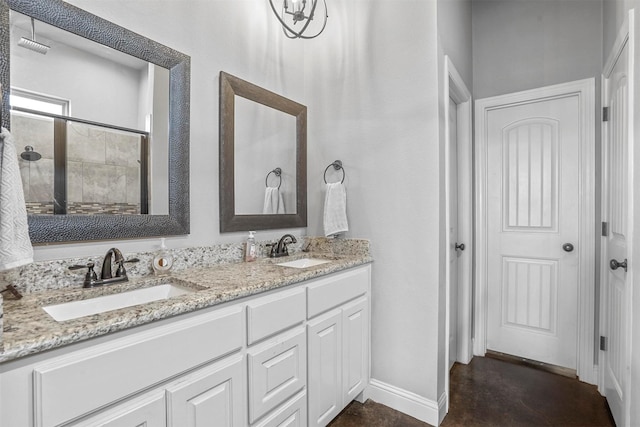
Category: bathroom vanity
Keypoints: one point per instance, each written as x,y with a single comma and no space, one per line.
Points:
255,344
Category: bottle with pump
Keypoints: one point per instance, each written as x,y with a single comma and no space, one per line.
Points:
163,261
250,250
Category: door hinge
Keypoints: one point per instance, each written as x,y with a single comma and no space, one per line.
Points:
603,343
605,229
605,114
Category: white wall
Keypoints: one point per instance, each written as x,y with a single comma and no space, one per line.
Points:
454,34
519,45
373,103
94,78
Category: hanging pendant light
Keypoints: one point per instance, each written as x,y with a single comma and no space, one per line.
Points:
297,16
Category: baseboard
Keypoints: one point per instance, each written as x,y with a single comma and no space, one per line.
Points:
408,402
442,407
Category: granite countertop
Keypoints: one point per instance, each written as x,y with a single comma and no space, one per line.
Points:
28,329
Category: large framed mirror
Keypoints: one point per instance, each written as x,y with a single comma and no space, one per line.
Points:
263,158
101,116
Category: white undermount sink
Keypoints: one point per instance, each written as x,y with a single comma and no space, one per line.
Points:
304,263
87,307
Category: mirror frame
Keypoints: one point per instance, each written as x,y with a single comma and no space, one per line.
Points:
71,228
230,87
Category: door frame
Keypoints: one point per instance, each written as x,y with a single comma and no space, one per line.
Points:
625,37
585,90
456,89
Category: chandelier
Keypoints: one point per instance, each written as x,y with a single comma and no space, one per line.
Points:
296,17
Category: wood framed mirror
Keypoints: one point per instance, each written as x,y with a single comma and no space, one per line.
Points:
173,218
278,139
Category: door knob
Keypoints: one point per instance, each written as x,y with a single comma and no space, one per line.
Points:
614,264
568,247
460,246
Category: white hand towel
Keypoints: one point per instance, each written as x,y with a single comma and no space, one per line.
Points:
273,203
15,245
335,209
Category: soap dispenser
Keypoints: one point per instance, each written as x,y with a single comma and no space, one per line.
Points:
250,247
163,261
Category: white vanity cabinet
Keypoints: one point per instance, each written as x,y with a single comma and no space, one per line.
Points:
291,357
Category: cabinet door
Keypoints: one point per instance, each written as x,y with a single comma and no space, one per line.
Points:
212,396
355,354
148,411
325,368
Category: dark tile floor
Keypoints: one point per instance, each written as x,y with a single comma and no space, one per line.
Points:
490,392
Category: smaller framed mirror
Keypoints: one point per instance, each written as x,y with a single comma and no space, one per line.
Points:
272,156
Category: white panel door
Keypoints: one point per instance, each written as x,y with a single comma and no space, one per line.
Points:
616,289
533,206
453,233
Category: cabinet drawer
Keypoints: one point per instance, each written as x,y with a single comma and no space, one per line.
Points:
330,292
149,411
291,414
277,370
76,384
269,315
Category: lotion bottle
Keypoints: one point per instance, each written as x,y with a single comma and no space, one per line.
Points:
250,247
163,261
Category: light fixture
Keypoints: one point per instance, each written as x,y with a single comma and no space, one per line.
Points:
296,17
31,43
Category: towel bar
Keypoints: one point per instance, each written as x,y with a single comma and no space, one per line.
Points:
337,165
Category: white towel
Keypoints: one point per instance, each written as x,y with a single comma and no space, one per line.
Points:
15,246
273,203
335,209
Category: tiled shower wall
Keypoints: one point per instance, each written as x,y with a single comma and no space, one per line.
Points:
103,167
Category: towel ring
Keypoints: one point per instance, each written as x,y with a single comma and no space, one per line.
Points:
278,173
337,165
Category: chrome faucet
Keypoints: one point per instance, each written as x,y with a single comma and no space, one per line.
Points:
280,249
106,277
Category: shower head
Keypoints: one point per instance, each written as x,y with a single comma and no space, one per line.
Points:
31,43
30,155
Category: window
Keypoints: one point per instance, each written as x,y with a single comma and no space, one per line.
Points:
34,101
